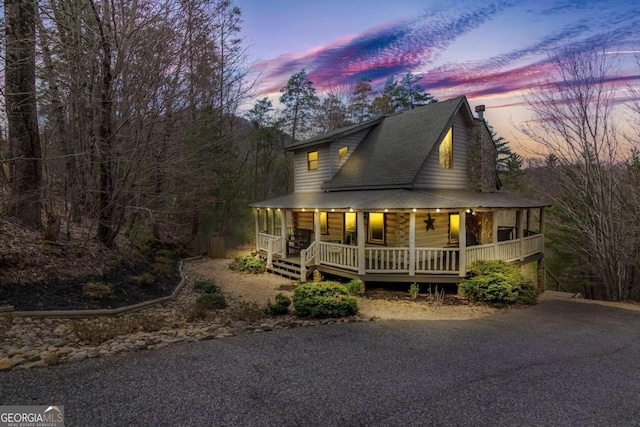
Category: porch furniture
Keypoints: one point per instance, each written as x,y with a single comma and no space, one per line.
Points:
301,239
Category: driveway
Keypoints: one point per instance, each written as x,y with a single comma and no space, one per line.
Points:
558,363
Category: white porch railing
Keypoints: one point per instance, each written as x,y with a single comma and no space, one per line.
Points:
385,260
507,251
278,245
338,255
480,253
437,260
532,245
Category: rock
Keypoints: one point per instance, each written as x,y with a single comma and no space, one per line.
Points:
38,364
34,358
51,359
14,352
206,337
5,364
78,357
17,360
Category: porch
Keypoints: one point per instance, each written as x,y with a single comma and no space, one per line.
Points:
400,264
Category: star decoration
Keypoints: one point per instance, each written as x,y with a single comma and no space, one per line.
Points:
429,222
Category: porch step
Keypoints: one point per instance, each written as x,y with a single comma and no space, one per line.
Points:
286,268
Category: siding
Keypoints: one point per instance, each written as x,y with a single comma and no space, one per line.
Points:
306,180
350,141
432,176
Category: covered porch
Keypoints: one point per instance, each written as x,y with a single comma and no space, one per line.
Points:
376,243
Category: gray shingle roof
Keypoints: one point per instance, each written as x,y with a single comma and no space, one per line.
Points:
398,199
378,162
337,133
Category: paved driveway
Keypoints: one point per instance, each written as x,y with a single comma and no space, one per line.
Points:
555,364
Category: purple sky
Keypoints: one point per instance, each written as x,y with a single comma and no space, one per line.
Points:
487,50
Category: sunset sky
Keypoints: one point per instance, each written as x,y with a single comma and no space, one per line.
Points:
488,50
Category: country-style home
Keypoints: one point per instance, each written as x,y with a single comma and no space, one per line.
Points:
412,196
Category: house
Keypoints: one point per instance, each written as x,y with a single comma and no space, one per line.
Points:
409,197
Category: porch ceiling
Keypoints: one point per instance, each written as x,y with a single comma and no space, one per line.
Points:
398,199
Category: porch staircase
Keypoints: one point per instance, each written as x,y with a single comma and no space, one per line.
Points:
286,267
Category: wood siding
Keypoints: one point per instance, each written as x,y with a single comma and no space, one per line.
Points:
306,180
432,176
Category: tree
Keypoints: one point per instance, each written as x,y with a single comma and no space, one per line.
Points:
24,136
410,95
359,107
386,102
575,121
300,99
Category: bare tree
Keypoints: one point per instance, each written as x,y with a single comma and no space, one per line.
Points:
576,122
20,86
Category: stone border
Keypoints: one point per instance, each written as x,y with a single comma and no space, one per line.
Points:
74,314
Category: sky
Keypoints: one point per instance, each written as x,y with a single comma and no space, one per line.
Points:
490,51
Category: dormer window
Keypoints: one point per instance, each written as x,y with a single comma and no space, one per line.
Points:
446,151
343,152
312,160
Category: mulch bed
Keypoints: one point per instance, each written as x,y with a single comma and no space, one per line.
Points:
68,294
398,295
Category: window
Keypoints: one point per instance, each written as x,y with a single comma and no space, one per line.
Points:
376,227
446,151
324,223
312,160
454,228
342,152
350,228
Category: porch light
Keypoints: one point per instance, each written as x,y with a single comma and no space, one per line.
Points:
468,210
278,209
414,210
438,210
316,209
350,209
303,209
333,210
268,209
386,210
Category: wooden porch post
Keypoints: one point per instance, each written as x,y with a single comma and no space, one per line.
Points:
520,232
494,236
270,253
283,232
412,244
462,244
542,222
361,239
318,233
257,216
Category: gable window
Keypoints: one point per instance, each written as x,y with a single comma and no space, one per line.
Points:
446,150
343,152
312,160
376,227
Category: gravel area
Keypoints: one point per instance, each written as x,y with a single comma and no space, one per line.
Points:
264,287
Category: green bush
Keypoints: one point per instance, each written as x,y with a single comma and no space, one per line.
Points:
354,286
249,264
211,302
206,287
414,290
324,299
498,284
280,307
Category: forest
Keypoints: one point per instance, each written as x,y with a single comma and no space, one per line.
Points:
128,121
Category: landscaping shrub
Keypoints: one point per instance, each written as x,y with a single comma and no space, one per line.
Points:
247,311
249,264
161,269
211,302
145,279
280,307
206,287
324,299
354,286
98,290
414,290
498,284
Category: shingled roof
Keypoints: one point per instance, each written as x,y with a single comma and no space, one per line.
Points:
378,163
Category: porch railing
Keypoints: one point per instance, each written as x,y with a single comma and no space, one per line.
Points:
532,245
338,255
437,260
278,245
384,260
508,251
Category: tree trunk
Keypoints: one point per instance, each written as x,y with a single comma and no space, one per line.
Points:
24,138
